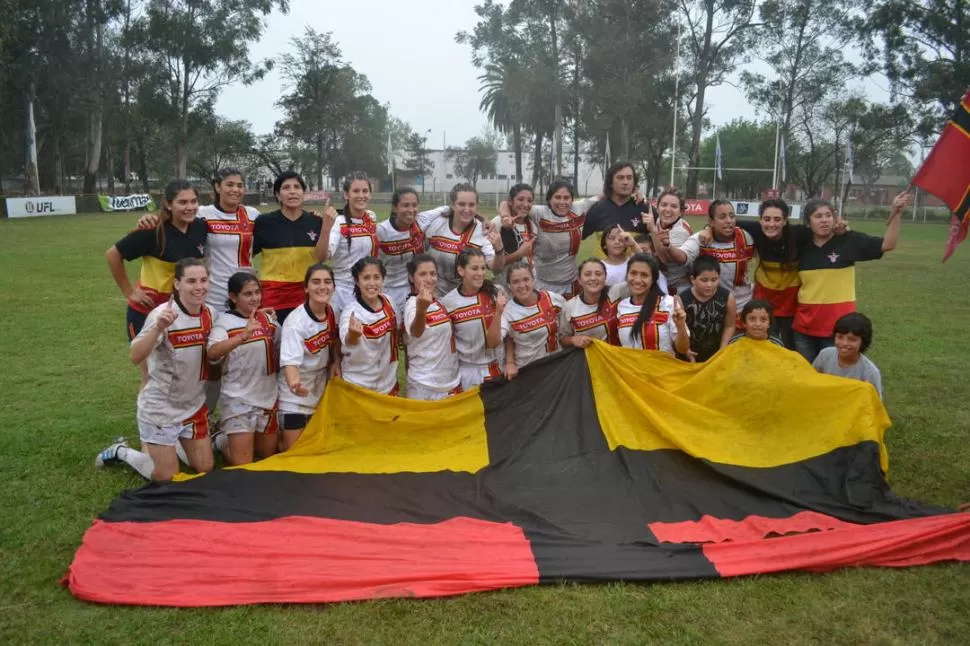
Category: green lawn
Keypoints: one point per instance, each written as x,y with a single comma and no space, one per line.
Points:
68,388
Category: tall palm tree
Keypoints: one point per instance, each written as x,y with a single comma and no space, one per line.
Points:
503,103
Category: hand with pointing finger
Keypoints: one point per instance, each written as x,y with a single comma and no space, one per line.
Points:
252,326
355,326
329,215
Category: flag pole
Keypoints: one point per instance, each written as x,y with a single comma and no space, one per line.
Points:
673,146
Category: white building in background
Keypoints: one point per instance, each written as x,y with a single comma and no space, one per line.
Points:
590,181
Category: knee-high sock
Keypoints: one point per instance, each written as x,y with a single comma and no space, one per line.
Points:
140,462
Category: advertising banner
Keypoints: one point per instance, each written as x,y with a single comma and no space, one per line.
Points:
28,207
142,201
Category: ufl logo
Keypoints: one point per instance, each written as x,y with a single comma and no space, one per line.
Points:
29,206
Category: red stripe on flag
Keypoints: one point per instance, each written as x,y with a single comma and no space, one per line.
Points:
716,530
295,559
901,543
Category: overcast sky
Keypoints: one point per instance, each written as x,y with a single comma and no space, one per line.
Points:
407,50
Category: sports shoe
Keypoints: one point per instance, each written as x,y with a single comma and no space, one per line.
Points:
110,454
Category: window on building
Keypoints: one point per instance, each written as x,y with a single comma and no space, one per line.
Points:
503,176
449,176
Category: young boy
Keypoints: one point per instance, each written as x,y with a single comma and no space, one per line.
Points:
853,336
710,308
757,319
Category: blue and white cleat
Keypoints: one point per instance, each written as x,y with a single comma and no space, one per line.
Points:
110,454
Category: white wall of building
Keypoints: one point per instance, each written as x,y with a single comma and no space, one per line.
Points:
590,181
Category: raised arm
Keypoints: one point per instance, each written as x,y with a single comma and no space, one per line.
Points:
894,223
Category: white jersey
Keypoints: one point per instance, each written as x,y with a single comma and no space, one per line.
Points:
432,359
177,367
597,321
557,241
363,243
615,274
306,343
678,276
444,245
471,316
229,248
659,333
249,370
734,256
372,363
396,249
534,329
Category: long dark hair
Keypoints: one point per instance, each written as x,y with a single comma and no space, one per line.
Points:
237,283
462,261
356,176
219,177
359,266
611,173
462,187
559,184
396,199
416,261
653,296
604,298
172,189
789,245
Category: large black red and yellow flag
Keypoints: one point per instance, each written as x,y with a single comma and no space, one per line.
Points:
946,173
608,464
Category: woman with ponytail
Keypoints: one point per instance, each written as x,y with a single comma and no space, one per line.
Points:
246,341
369,331
648,319
475,308
178,234
449,230
590,314
400,240
353,239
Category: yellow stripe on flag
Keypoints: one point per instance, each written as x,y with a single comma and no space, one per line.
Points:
732,410
359,431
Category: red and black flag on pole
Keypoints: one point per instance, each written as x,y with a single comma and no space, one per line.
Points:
946,173
608,464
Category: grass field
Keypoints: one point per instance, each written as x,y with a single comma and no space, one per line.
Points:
68,389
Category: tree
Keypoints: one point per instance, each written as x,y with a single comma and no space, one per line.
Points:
197,47
220,143
802,43
744,144
417,160
503,103
718,32
923,47
477,158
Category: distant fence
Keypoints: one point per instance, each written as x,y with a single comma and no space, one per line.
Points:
17,206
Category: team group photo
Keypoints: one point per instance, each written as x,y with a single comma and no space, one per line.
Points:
656,340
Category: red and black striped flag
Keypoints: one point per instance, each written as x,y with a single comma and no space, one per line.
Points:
946,173
608,464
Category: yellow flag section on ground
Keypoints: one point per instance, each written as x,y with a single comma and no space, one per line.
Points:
359,431
753,404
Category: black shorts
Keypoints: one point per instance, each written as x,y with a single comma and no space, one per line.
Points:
294,421
135,322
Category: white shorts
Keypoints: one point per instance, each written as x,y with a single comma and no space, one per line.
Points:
473,374
195,427
240,417
398,296
424,393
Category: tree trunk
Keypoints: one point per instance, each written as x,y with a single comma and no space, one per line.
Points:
537,162
697,125
58,167
127,161
624,138
143,165
32,174
320,161
96,118
517,145
109,162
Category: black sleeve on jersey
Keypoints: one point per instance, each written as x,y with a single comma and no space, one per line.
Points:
593,220
867,247
138,243
259,224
